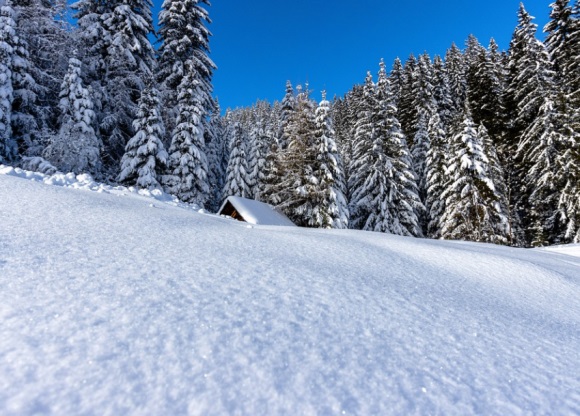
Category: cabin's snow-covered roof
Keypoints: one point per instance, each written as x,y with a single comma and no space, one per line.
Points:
255,212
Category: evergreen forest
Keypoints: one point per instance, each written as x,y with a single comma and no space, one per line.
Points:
479,145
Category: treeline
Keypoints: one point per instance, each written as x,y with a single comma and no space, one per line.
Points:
478,145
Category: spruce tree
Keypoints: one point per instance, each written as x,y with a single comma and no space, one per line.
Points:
477,78
217,156
273,171
119,58
530,73
424,98
421,146
407,110
436,176
455,67
46,34
25,120
8,42
571,68
187,159
360,164
472,211
441,92
539,147
487,90
330,209
345,114
184,48
145,158
425,106
388,192
259,136
237,171
287,110
504,224
530,83
568,209
262,136
298,183
75,148
396,80
559,42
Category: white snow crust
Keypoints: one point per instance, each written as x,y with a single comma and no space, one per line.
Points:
116,302
570,249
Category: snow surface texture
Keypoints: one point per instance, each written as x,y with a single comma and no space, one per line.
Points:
115,303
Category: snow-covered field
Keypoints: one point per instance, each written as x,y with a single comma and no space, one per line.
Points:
114,302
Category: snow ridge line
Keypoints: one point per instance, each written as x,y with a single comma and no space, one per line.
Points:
86,182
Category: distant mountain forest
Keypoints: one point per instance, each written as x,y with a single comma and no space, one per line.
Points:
480,145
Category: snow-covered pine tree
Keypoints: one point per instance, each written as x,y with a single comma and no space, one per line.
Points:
407,111
421,146
472,210
8,42
273,172
539,148
389,191
345,115
424,99
255,120
262,135
568,209
530,83
47,35
558,41
441,92
287,110
530,74
504,227
562,41
487,90
268,155
330,208
472,51
567,58
298,183
436,176
396,80
572,68
119,58
184,47
145,158
456,76
359,162
217,155
236,183
75,148
188,168
476,76
24,116
425,106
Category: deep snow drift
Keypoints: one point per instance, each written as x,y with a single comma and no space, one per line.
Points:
112,302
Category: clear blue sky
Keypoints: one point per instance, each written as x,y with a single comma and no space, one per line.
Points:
259,44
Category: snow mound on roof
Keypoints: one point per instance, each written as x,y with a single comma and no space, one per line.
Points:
257,213
112,305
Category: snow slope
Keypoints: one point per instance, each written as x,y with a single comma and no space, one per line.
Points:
115,303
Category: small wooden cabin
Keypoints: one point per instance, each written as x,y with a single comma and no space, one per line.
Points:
253,212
